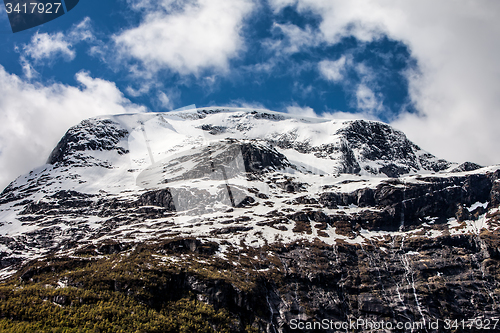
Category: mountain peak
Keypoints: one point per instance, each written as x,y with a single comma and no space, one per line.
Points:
345,146
258,197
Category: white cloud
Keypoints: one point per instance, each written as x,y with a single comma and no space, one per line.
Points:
143,89
304,111
365,73
81,31
48,46
165,102
456,45
300,89
28,69
296,39
33,117
333,70
186,37
367,101
348,115
248,105
362,19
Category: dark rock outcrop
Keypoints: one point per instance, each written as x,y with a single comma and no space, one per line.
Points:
161,198
400,204
89,135
466,166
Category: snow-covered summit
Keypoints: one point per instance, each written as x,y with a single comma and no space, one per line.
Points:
314,144
240,176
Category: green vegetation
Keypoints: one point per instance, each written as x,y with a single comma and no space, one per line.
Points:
129,292
146,288
29,309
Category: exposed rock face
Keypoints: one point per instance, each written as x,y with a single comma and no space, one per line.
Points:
220,161
371,147
374,141
466,166
398,204
274,218
89,135
159,198
396,280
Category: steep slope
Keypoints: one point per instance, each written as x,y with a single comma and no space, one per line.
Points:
278,217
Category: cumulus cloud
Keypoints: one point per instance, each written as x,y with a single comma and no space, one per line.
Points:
333,70
456,46
44,45
29,71
294,39
186,37
246,104
33,117
363,19
81,31
367,101
306,111
165,101
48,46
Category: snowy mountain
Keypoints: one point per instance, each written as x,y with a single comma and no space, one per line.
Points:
313,201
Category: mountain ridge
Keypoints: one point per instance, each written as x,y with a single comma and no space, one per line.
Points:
295,196
113,156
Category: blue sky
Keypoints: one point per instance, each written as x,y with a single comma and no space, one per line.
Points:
427,68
